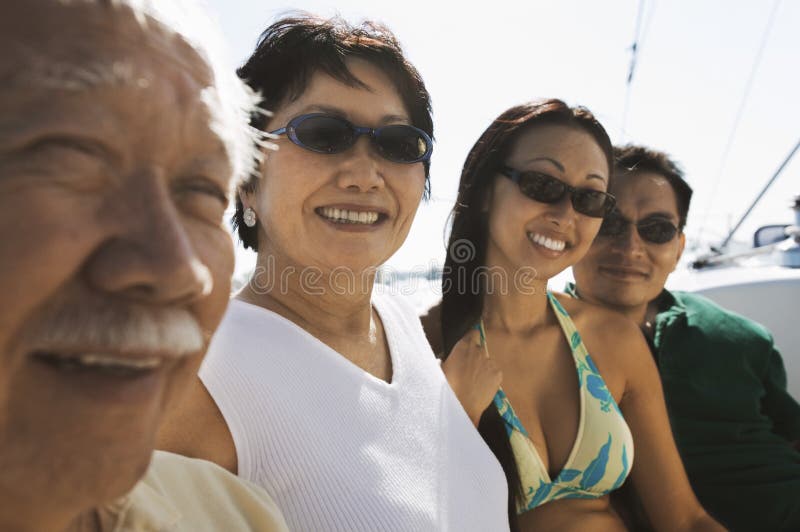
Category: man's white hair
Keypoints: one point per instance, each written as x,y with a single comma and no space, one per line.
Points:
233,102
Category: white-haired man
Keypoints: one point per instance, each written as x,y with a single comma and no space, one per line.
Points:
120,138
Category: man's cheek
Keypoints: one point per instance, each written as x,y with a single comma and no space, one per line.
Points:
216,252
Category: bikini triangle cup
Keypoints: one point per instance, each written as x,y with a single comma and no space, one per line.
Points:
602,454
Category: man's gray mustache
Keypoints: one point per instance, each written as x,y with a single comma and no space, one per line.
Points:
94,323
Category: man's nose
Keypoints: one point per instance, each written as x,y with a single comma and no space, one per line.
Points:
629,240
150,254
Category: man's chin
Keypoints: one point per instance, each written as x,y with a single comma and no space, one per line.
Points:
95,431
621,297
119,474
77,470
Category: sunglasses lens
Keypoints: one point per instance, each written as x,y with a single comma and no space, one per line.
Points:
591,202
401,144
546,189
657,232
542,188
653,231
324,134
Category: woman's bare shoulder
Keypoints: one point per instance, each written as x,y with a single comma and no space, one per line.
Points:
196,428
604,329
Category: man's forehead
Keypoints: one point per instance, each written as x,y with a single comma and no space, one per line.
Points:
40,71
83,45
643,193
89,44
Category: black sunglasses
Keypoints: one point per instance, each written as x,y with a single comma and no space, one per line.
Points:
655,230
547,189
330,134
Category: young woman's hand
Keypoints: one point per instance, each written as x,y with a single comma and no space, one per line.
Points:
473,375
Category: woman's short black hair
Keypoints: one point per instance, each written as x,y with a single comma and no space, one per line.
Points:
294,48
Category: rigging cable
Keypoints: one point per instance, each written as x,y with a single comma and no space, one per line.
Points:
763,191
632,68
739,113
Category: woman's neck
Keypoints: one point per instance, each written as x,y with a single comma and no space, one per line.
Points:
330,303
520,309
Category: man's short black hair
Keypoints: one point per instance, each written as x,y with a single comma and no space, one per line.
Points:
634,158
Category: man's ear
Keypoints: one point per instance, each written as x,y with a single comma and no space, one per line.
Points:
681,245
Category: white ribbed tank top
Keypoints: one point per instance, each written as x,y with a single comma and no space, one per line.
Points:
341,450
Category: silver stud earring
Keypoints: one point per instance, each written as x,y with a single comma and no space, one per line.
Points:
249,217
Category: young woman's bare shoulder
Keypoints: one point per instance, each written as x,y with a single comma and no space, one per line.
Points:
607,331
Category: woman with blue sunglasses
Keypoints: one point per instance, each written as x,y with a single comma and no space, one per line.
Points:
315,387
565,422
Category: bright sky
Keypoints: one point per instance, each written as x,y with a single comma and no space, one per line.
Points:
693,71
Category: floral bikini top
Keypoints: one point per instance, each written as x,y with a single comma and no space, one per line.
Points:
602,454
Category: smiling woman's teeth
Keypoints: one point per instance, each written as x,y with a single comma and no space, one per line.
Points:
549,243
344,216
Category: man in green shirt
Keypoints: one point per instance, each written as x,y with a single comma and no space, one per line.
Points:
736,426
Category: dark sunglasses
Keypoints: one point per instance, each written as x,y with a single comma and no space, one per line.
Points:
546,189
654,230
330,134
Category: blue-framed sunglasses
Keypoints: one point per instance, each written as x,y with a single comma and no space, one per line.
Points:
331,134
547,189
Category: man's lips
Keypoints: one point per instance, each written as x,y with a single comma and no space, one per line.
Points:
104,379
624,272
105,362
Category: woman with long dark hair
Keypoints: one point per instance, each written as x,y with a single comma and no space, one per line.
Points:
531,199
